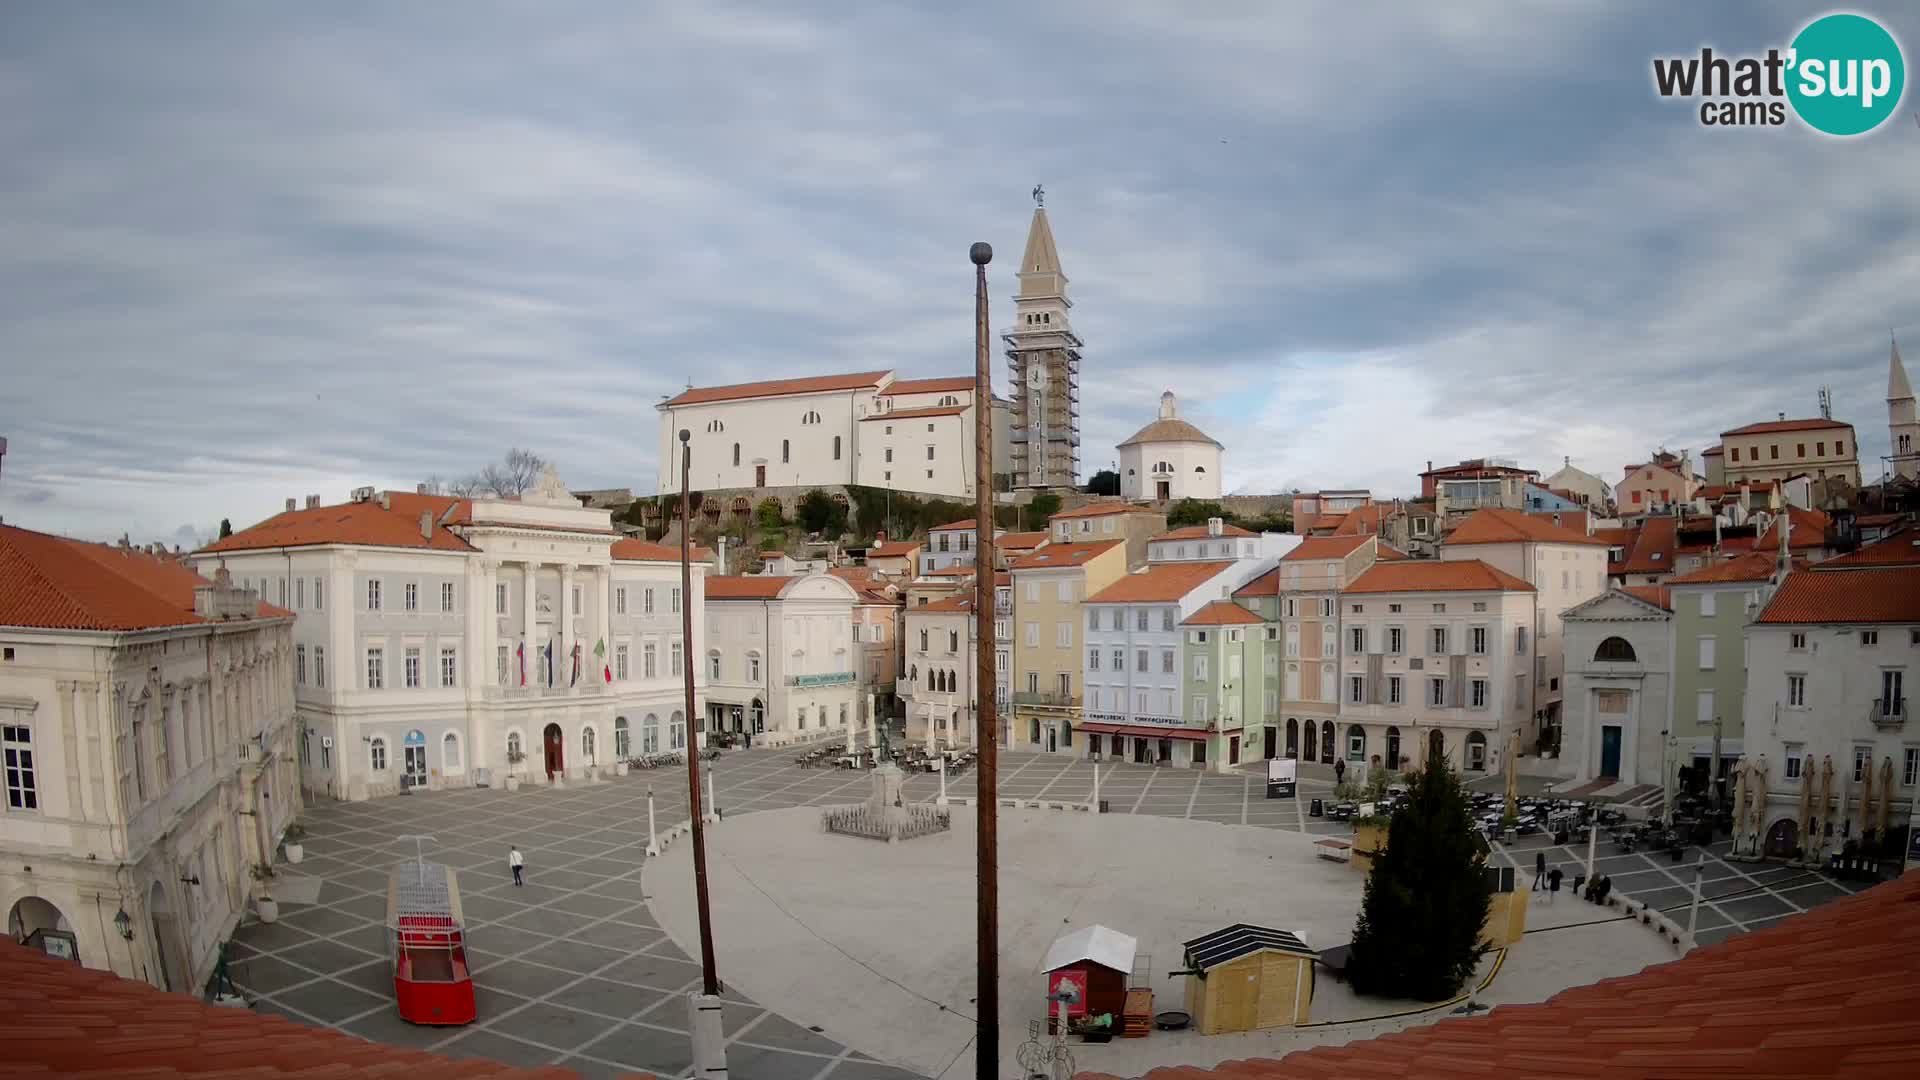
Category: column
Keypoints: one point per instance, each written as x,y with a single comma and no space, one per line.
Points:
563,634
529,571
602,632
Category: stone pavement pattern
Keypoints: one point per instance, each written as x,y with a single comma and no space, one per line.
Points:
573,970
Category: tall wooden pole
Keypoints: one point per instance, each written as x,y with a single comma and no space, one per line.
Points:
710,978
986,1043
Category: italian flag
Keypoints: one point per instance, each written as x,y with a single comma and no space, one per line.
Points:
600,650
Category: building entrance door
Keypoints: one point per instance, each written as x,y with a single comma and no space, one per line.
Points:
759,476
1268,748
416,766
1163,490
1610,751
1139,751
1052,740
556,751
1233,750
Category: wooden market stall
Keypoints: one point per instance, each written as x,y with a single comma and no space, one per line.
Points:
1246,977
1095,959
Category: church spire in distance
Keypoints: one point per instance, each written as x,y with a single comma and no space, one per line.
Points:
1040,274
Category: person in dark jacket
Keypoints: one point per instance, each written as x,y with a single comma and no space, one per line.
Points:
1539,870
1553,884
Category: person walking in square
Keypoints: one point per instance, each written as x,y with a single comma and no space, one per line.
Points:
516,862
1553,884
1539,870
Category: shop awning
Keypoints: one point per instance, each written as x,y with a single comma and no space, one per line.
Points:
1139,731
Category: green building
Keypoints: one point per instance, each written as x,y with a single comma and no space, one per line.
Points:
1223,675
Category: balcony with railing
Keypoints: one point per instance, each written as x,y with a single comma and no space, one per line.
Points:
1888,714
1046,699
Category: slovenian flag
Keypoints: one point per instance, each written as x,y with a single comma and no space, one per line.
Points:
600,650
520,651
576,665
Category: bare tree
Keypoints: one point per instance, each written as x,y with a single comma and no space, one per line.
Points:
434,484
508,478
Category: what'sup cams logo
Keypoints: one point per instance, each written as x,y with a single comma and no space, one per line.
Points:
1842,75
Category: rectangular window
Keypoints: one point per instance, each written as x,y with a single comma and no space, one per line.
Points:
376,668
1703,709
412,594
713,666
1440,640
1358,635
1437,692
1166,619
500,598
373,594
1033,635
674,660
1796,755
23,778
1066,685
1479,605
1479,641
1356,689
1439,609
500,655
299,592
1797,641
1199,667
1910,767
1393,689
446,596
320,665
646,601
1141,663
1479,693
1093,618
1329,640
1326,608
449,666
412,662
621,661
1141,619
620,600
1393,609
1800,450
1862,761
1520,640
1706,604
1796,691
1063,591
1200,710
1869,637
673,600
300,665
1734,451
1063,635
929,449
1166,661
1292,607
1395,640
1706,653
1093,659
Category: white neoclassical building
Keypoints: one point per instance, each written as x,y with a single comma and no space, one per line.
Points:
148,728
1170,459
780,660
447,642
1619,689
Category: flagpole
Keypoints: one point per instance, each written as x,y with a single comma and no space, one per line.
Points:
986,1048
709,978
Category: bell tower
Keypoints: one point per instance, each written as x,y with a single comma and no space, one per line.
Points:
1903,427
1043,359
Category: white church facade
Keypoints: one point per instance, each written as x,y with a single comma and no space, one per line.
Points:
1170,459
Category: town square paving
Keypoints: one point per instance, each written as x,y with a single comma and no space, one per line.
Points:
573,968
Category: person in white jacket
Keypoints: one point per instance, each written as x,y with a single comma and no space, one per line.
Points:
515,861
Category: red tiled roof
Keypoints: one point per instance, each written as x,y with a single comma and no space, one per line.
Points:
1828,993
1900,548
947,604
1159,583
1362,520
1752,566
70,1021
632,549
818,384
1433,575
914,414
1020,541
1054,556
1325,547
1653,550
1480,466
1657,595
1809,530
1569,519
953,526
1221,613
1712,451
748,587
1199,532
53,583
1103,508
897,549
1389,553
1786,425
956,570
1496,526
366,524
954,385
1862,594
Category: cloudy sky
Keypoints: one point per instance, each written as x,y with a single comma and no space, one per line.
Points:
249,251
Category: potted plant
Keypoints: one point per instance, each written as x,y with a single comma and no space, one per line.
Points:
514,758
263,902
296,851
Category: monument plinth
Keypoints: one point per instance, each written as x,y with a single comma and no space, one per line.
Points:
886,815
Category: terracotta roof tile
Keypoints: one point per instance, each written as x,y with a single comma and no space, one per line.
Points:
1496,526
748,586
1103,508
1054,556
1809,530
636,550
87,1023
1362,520
1433,575
916,414
1901,548
1389,553
1713,451
1325,547
1221,613
1657,595
1020,541
1786,425
947,605
1199,532
955,526
366,524
954,385
52,582
1823,994
1569,519
1653,547
1880,594
896,549
1752,566
1162,582
819,384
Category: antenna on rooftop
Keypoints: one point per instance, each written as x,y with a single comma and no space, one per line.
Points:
1826,403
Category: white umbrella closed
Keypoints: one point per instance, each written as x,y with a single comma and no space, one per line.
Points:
1757,795
1740,770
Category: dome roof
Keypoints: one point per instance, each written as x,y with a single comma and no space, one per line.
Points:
1170,428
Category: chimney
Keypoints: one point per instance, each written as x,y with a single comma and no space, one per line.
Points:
290,505
386,502
419,489
1216,526
426,524
720,556
313,502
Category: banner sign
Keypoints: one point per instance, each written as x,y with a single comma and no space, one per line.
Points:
1281,776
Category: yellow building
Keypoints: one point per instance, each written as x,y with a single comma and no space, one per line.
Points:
1245,977
1049,587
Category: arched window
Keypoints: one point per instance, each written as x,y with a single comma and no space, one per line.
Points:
377,754
1436,744
740,504
514,753
1066,734
1615,648
1034,731
836,448
713,665
913,674
736,453
786,451
1326,741
1311,743
677,731
953,641
758,712
753,667
1199,468
1356,743
1393,748
650,734
1293,738
622,739
1477,751
450,752
843,714
587,741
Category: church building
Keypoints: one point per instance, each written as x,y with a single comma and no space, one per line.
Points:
1170,459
